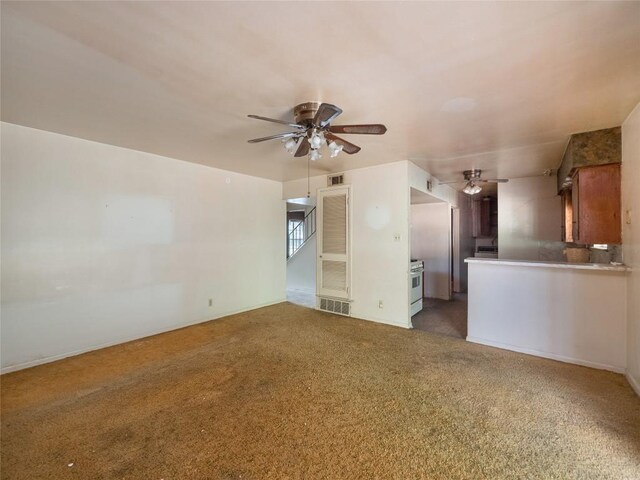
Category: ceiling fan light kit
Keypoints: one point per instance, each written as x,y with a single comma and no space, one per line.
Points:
471,188
313,129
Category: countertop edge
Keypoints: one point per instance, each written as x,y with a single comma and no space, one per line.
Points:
544,264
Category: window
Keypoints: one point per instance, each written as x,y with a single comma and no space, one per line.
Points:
296,235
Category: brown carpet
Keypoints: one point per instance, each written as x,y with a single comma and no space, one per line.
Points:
444,317
288,392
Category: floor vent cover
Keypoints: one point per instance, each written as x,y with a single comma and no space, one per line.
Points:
335,306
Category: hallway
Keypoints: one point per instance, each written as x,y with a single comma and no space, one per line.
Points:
443,317
301,297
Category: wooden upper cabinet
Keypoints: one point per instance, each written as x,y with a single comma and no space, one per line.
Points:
482,216
596,205
567,216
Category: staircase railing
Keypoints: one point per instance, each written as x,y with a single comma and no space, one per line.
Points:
301,233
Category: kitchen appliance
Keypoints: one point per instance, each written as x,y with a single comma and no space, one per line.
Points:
415,282
486,251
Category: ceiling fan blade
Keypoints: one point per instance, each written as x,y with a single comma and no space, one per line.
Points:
303,148
370,129
347,147
272,137
325,114
492,180
281,122
451,183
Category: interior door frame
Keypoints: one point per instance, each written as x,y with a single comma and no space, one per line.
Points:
321,194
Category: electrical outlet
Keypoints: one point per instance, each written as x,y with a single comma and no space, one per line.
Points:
397,237
627,217
380,304
211,302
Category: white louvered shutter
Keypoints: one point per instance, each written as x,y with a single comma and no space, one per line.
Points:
333,242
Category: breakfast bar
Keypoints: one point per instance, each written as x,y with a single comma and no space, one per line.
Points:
572,312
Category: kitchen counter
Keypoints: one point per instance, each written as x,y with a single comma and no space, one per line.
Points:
546,264
572,312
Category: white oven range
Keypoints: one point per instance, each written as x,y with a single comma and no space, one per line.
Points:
415,283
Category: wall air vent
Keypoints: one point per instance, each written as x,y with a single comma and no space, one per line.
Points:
335,179
334,306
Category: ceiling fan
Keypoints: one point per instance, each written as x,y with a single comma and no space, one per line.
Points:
312,127
472,177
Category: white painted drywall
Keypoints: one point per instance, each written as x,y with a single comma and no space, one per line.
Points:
102,244
572,315
529,216
631,239
431,242
379,261
418,179
301,268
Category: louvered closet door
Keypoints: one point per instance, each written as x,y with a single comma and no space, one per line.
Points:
333,242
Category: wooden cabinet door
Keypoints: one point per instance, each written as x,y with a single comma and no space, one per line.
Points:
575,208
481,217
567,216
485,217
475,218
597,210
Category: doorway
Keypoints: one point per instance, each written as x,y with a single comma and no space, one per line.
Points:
436,228
443,317
301,251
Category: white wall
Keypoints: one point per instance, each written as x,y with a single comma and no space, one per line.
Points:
572,315
380,263
631,239
529,216
102,244
301,268
431,242
418,180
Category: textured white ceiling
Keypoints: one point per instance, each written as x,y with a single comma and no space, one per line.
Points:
497,86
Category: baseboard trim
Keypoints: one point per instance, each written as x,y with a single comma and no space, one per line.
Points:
383,322
635,384
53,358
551,356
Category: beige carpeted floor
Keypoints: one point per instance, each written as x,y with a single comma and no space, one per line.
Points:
288,392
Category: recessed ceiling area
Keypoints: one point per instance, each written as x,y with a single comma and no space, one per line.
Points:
495,86
419,198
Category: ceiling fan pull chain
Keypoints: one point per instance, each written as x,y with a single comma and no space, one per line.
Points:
308,179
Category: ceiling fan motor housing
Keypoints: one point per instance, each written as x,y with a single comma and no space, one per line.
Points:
472,174
305,112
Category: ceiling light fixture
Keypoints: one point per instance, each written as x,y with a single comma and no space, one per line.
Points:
335,149
471,188
312,127
314,155
315,140
291,145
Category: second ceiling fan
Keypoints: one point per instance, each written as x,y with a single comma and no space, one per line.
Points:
312,124
473,178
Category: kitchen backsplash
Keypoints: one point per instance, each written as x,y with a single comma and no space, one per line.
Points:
612,254
553,252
